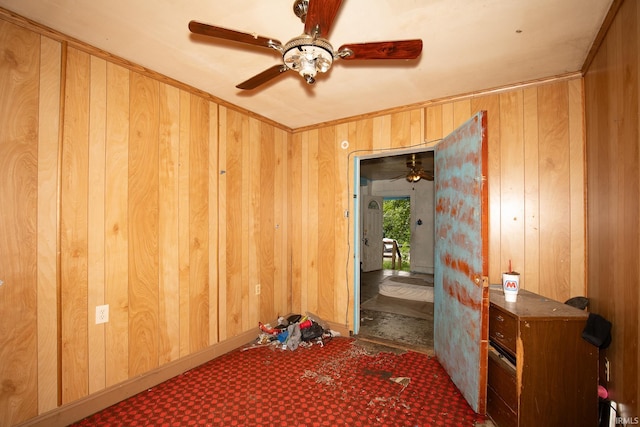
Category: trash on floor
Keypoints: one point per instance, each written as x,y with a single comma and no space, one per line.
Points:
293,332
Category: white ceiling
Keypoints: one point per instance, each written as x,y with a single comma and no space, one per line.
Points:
469,45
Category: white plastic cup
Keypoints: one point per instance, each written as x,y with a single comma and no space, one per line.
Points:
511,286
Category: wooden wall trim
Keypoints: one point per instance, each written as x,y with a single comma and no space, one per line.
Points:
602,32
63,77
445,100
82,408
92,50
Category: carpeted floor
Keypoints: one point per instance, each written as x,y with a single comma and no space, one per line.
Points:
343,383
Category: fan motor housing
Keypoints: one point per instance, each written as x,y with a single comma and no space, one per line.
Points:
308,56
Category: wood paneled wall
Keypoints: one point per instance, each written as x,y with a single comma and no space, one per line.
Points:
24,54
536,190
612,90
162,203
172,208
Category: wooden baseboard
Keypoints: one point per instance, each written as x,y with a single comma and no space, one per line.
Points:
342,329
76,411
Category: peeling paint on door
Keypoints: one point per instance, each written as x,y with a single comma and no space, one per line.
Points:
461,252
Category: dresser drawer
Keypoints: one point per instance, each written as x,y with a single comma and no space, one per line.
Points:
498,410
502,378
503,329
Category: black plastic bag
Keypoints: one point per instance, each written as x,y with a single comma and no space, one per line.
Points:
597,331
312,332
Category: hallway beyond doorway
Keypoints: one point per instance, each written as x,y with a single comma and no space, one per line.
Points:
393,321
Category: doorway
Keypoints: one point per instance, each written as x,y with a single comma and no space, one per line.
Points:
461,285
387,314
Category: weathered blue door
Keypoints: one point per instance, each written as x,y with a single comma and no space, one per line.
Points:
461,293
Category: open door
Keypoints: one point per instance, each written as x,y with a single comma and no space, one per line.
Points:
372,233
461,290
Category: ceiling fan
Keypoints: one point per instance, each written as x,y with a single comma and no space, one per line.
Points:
310,53
416,171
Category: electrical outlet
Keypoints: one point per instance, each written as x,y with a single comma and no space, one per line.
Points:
258,289
102,314
607,369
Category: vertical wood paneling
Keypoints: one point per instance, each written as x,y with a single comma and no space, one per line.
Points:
448,123
312,230
327,257
382,132
48,150
95,222
555,192
255,221
265,149
577,187
531,270
304,223
243,174
612,86
199,224
73,220
512,182
461,112
282,286
214,222
433,123
295,194
222,218
19,82
343,301
400,129
629,371
417,126
184,222
168,225
142,219
117,225
143,225
361,134
235,233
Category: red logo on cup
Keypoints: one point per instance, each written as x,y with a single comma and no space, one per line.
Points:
511,285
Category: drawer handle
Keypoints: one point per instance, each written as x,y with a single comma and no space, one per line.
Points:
499,318
499,335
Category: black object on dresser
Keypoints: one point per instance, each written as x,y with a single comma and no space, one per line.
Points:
541,372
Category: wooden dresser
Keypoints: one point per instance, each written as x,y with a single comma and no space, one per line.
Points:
541,372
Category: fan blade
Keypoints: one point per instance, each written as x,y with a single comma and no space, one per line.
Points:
320,17
428,175
232,35
401,49
263,77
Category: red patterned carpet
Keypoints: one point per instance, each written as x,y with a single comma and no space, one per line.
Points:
340,384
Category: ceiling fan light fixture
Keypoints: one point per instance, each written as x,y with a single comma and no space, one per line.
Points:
413,176
310,53
308,56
